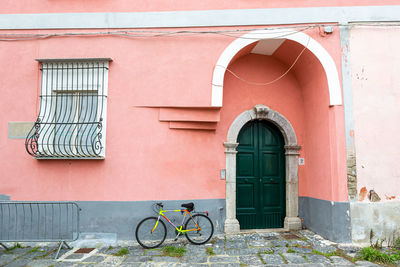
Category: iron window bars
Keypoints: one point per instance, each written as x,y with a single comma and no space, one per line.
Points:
72,114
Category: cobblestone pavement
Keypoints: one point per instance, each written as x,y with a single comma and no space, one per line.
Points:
300,248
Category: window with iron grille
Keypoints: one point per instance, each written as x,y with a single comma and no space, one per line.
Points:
73,104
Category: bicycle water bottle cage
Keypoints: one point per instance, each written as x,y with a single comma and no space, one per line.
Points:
188,206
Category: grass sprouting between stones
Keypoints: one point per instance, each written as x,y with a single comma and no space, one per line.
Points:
11,249
33,250
375,255
304,256
16,245
268,252
329,254
210,251
261,259
122,252
396,243
291,251
283,257
172,251
338,252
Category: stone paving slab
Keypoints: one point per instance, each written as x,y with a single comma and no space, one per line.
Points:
225,259
226,265
194,259
272,259
300,248
341,261
314,258
250,260
294,258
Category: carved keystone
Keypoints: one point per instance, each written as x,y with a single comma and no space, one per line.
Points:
261,111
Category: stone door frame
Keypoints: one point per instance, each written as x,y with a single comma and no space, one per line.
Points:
262,112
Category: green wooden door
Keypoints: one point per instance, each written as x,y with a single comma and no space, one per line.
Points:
260,176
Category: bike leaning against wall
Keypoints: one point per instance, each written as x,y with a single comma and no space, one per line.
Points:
151,231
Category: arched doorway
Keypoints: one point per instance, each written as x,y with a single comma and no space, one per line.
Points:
261,112
260,176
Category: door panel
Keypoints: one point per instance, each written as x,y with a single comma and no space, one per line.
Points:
245,166
270,164
272,199
260,176
246,190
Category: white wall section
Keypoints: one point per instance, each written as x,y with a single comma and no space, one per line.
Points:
203,18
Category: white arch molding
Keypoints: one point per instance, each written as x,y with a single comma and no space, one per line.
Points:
261,112
335,92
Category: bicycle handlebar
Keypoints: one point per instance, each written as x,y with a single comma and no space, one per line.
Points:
157,206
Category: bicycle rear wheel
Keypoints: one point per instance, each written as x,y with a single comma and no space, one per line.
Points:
200,229
149,233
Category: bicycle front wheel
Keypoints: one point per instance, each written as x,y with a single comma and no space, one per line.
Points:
151,232
200,229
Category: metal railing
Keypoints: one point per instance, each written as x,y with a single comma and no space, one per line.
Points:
39,222
73,100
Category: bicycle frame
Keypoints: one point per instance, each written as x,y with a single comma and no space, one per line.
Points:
179,230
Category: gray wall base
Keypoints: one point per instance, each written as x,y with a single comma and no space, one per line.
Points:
122,217
329,219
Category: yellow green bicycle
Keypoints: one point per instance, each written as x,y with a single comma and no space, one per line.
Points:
198,228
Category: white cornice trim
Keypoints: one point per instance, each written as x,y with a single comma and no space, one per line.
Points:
202,18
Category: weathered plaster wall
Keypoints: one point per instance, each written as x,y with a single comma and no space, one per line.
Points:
375,61
375,65
373,223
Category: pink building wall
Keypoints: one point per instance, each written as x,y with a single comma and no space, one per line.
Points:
145,160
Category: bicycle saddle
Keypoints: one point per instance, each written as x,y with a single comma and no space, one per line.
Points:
189,206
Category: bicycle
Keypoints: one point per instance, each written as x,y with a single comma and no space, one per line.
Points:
151,231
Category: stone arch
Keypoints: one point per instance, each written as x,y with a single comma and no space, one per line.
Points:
335,92
262,112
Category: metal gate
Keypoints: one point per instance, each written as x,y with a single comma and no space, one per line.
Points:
39,222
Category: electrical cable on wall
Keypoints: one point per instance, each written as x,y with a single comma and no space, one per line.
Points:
235,33
270,82
144,34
